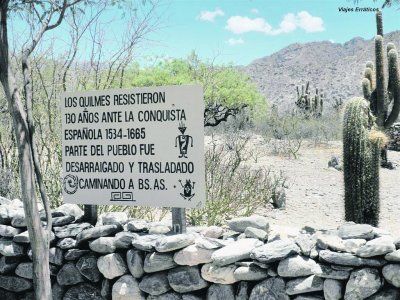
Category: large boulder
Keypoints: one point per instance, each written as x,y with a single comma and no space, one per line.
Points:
186,279
362,284
127,288
112,265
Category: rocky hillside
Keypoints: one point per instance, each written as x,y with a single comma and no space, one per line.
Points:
335,68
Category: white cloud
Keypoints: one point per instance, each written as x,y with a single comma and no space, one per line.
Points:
290,22
239,24
209,16
254,11
310,23
234,42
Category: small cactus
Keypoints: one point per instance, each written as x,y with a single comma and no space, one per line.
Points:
310,106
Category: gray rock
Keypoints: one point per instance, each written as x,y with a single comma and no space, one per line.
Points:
333,289
9,248
8,231
146,242
112,265
66,243
96,232
159,229
62,221
330,241
186,279
212,232
304,285
348,259
242,291
212,243
87,266
270,289
69,210
304,297
123,240
256,233
240,224
69,275
217,274
137,225
220,291
19,220
23,238
391,273
103,245
4,201
7,213
105,288
155,284
8,264
134,260
362,284
386,294
166,296
275,251
191,297
297,266
155,262
356,231
15,284
25,270
376,247
193,255
71,230
235,251
127,288
74,254
325,271
56,256
393,256
250,273
57,291
306,243
174,242
352,245
112,218
83,291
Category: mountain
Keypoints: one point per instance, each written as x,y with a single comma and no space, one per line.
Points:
335,68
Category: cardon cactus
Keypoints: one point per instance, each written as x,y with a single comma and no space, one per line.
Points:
361,147
310,106
383,93
364,139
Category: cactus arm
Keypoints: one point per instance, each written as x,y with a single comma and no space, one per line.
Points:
366,87
369,74
380,81
379,23
395,89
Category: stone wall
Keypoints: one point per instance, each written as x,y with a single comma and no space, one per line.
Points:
247,259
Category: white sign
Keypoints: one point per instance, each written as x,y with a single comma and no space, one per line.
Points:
139,146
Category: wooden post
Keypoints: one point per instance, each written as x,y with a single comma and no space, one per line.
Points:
90,214
178,220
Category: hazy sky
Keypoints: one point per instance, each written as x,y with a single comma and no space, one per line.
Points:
239,31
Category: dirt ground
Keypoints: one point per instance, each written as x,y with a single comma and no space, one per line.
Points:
315,191
314,196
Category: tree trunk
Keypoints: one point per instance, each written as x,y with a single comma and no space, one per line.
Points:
38,240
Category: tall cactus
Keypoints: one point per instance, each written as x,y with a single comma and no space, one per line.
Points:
382,92
363,132
310,106
361,164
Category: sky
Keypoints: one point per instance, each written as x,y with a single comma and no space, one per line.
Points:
240,31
